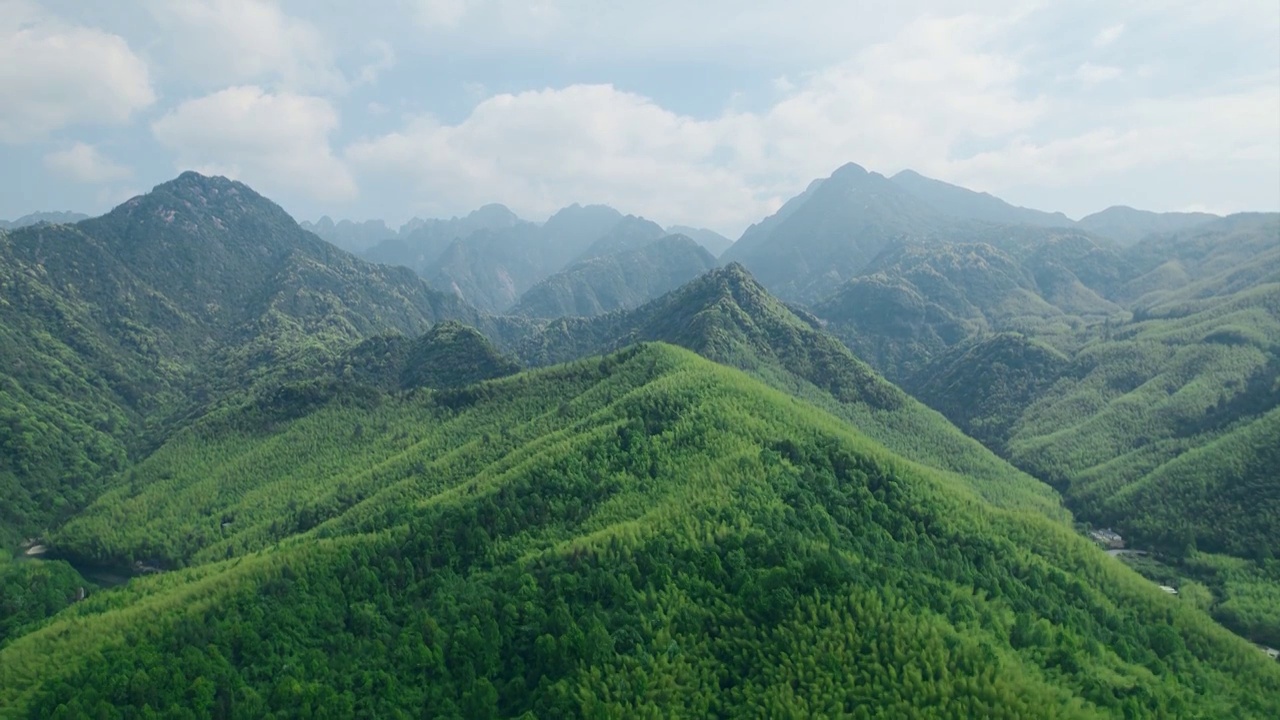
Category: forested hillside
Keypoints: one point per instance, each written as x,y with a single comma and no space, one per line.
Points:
726,316
642,534
114,329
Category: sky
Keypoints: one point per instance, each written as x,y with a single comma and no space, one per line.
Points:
709,114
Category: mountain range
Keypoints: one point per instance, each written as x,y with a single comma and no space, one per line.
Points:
53,218
583,467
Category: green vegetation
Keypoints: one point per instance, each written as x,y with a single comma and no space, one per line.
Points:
1243,595
116,330
652,534
726,316
450,354
362,507
1161,428
33,590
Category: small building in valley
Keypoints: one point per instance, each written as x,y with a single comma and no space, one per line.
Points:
1107,538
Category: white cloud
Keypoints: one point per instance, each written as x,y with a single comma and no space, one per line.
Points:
902,103
1089,74
83,163
54,75
1173,142
278,141
385,60
441,13
1108,35
539,151
220,42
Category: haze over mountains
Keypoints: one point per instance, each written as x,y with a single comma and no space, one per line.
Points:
490,467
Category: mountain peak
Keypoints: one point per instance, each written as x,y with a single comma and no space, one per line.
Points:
494,215
850,170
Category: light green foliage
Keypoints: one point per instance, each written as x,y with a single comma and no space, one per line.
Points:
654,535
728,317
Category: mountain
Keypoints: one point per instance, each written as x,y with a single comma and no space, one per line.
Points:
1209,259
568,233
961,202
985,384
354,237
917,300
830,233
420,243
55,218
646,533
1126,225
491,257
727,317
624,279
630,233
491,269
1151,421
714,242
116,329
448,355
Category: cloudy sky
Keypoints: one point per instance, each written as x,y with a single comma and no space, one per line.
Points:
709,113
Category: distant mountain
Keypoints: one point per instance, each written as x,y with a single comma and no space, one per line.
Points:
116,328
829,234
1126,225
491,269
491,257
420,243
354,237
919,299
714,242
964,203
630,233
624,279
1208,259
568,233
1125,410
55,218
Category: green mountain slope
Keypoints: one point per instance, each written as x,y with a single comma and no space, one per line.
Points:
1212,259
985,385
450,354
623,279
918,300
115,329
728,317
643,534
1149,393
